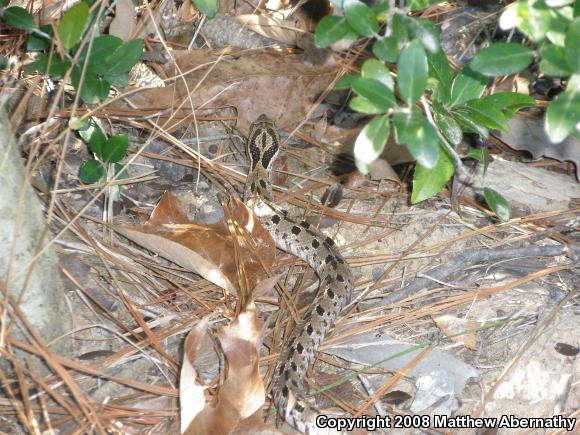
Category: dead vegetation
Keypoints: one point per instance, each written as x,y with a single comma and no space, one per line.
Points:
453,312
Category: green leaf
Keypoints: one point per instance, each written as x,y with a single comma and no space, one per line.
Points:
116,148
3,62
38,42
502,58
538,19
374,69
97,143
101,47
51,65
563,114
561,20
428,182
92,171
467,85
360,17
498,204
441,72
3,3
125,57
386,49
93,89
468,124
481,155
330,30
448,126
554,62
118,174
510,102
483,113
18,18
375,92
573,46
371,141
412,71
362,105
119,80
426,32
72,24
345,82
207,7
413,129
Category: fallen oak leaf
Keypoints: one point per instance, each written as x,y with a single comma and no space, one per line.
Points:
242,394
206,249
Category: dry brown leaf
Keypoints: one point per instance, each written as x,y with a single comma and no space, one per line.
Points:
529,134
123,25
208,250
279,30
452,325
242,393
279,84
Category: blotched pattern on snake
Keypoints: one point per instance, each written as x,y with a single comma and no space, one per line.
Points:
309,244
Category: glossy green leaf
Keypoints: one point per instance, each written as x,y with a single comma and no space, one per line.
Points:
374,69
125,57
573,46
3,62
563,114
207,7
467,85
561,20
413,130
510,102
502,58
331,29
18,18
498,204
360,17
386,49
428,182
375,92
484,113
449,127
554,61
412,72
101,47
70,28
426,32
92,171
362,105
97,143
51,65
115,149
345,82
538,19
441,72
93,89
468,124
38,42
370,143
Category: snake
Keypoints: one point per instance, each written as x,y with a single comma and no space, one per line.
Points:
289,388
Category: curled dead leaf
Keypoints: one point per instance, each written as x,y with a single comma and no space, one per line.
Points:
240,397
208,249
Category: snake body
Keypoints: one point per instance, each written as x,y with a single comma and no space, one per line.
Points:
309,244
